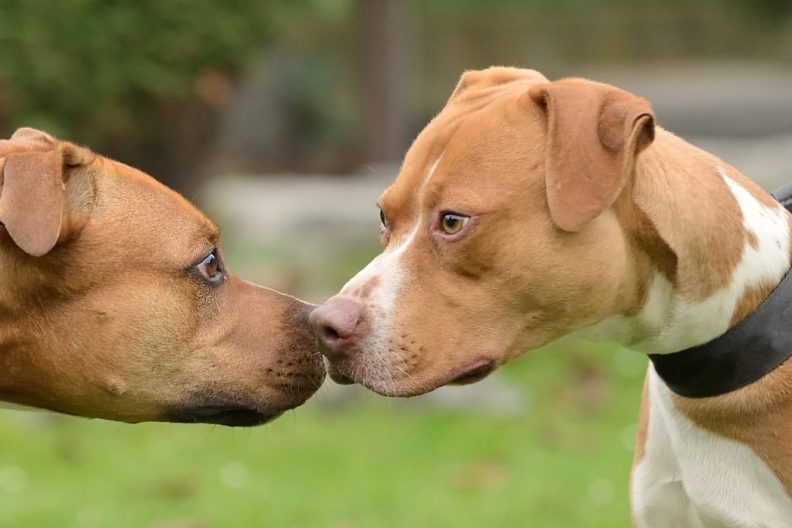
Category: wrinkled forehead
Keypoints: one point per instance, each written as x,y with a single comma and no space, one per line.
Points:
146,210
481,131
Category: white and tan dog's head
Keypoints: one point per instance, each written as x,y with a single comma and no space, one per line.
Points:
115,302
493,234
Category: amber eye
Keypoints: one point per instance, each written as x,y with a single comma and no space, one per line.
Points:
453,223
211,268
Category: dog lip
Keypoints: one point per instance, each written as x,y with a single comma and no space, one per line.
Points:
338,375
473,373
230,415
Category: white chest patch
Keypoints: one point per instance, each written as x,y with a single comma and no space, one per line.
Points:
692,478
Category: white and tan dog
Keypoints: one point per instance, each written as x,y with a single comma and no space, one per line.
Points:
528,210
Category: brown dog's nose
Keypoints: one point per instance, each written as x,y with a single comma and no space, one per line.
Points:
334,322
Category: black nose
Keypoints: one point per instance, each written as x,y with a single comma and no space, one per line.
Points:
334,323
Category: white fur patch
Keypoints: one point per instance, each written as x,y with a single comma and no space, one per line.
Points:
689,476
692,478
669,323
391,274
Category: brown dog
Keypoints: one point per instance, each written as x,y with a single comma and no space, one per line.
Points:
528,210
115,302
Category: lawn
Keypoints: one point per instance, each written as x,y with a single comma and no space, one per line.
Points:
373,463
370,462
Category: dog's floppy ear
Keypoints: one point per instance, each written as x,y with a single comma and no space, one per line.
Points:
594,133
32,194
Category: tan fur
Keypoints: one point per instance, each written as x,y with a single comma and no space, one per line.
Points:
114,321
694,228
751,298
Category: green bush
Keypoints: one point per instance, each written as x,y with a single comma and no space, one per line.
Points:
124,76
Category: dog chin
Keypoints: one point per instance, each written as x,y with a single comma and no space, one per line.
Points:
477,371
341,375
415,384
338,375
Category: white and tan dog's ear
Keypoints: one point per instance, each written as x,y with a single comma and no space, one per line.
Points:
32,194
594,133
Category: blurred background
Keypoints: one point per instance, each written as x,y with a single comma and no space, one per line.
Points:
284,120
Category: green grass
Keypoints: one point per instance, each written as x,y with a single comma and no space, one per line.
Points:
368,463
372,463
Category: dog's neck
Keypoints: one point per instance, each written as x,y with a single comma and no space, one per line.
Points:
715,243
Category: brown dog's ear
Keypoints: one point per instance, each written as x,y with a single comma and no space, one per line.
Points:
594,133
31,199
494,76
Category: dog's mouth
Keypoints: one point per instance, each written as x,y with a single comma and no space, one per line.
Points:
471,373
338,375
230,415
476,372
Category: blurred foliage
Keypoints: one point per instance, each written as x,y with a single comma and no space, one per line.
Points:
125,77
148,81
96,69
321,85
759,6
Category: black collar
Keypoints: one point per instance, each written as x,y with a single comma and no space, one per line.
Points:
745,353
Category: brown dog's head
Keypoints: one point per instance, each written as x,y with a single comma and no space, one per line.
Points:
115,302
493,233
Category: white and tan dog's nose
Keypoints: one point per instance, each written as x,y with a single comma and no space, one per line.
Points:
334,324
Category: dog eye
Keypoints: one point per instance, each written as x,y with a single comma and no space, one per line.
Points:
453,223
383,221
211,268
